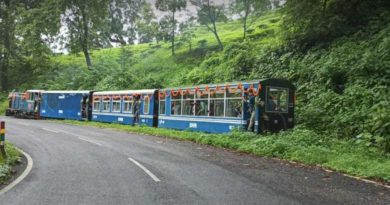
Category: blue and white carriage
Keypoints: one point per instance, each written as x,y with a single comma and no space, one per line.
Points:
224,107
72,105
126,107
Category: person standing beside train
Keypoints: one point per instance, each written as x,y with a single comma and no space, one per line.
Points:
252,104
136,110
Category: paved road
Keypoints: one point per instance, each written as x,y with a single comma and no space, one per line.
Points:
84,165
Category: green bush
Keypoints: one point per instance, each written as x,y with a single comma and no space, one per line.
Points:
13,157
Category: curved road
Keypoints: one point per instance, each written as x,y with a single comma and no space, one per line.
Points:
84,165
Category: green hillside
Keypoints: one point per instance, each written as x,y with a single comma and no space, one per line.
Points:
342,84
152,65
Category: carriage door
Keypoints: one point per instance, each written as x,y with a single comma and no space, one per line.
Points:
89,106
155,108
84,107
278,113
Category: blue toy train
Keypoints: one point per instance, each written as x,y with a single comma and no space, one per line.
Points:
261,106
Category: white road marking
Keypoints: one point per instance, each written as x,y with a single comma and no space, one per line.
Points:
30,164
77,135
145,170
22,123
49,130
87,139
69,133
90,141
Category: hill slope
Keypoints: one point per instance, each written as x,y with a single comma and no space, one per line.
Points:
342,85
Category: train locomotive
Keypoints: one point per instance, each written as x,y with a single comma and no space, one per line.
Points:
260,106
24,105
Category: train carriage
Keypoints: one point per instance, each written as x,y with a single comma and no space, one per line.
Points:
72,105
261,106
126,107
224,107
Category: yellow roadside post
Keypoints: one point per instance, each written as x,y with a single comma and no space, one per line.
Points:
2,139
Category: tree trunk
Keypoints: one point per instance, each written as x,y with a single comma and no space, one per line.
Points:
245,19
244,27
7,47
85,38
173,33
217,36
87,58
324,5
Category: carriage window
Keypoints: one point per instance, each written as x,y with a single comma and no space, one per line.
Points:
116,106
106,105
217,94
234,93
162,105
217,107
217,103
277,99
234,103
128,105
202,103
146,104
233,107
188,103
96,106
176,105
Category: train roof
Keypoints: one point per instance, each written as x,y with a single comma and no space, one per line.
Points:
124,92
67,91
265,80
35,91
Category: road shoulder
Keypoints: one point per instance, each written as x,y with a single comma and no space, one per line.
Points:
19,172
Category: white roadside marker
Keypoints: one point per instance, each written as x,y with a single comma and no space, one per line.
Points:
145,170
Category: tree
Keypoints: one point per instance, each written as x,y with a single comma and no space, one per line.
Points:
86,24
186,32
155,31
171,6
165,28
26,28
123,17
208,15
309,22
7,36
249,8
146,24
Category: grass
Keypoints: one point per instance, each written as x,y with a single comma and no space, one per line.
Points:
3,103
12,152
300,145
13,157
